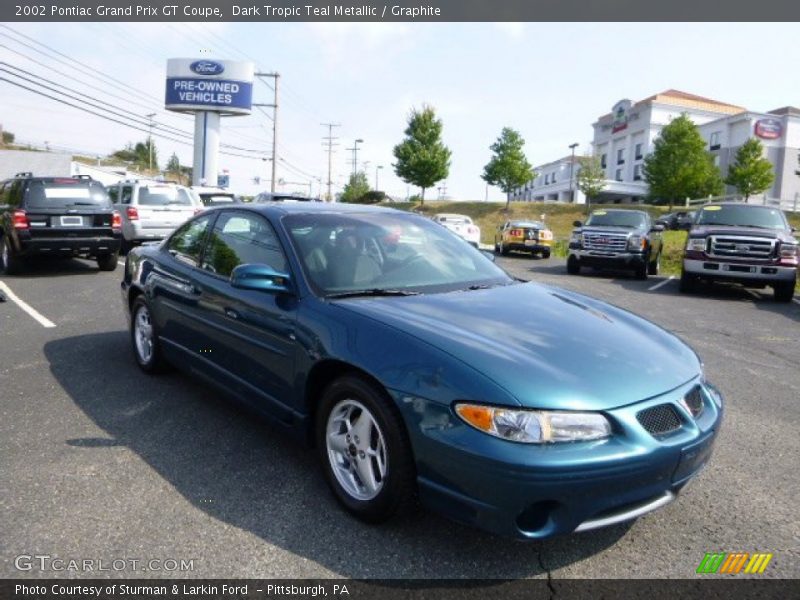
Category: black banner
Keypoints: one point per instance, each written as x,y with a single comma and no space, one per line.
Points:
704,587
399,10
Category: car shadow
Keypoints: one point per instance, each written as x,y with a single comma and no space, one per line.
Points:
35,268
244,472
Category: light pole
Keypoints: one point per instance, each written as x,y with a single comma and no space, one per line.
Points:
377,168
150,139
571,171
354,149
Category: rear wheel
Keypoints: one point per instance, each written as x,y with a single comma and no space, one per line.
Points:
503,250
573,265
144,338
688,282
546,253
784,290
10,263
108,262
125,246
364,450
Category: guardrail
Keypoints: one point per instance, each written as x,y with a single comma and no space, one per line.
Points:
782,203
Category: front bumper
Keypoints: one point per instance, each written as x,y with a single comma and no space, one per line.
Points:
537,491
599,258
715,269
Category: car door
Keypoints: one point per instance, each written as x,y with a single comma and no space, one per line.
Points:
252,331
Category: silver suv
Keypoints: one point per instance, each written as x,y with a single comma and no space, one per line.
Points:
151,210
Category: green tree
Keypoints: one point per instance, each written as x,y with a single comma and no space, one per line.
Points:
422,158
679,166
8,137
508,168
138,154
591,178
357,187
174,164
751,173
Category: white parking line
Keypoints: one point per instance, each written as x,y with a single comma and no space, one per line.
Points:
43,321
661,283
755,295
795,300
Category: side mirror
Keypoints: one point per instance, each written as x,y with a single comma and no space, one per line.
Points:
658,227
577,224
261,278
489,255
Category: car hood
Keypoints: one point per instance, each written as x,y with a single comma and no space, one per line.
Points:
706,230
549,348
607,229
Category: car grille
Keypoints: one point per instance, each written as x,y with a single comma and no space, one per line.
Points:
742,247
694,401
605,241
660,419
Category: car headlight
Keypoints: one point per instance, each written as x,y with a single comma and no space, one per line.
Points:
535,426
636,242
696,244
788,250
576,238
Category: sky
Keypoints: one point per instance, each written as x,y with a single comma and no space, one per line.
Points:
549,81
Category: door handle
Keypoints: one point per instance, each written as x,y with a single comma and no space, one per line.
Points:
229,312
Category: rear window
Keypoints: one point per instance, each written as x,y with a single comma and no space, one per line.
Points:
65,192
163,195
217,199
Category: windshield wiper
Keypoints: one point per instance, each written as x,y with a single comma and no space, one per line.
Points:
372,292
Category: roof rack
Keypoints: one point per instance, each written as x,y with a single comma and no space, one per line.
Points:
83,176
24,174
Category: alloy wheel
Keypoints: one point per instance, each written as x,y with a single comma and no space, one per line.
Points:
143,335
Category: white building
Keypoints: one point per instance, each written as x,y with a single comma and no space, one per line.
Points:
623,137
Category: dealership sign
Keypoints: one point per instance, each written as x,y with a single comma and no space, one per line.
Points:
222,86
620,115
768,129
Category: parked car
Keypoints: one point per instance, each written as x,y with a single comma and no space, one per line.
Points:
681,220
214,196
461,225
742,243
523,236
151,210
56,216
616,239
336,321
263,197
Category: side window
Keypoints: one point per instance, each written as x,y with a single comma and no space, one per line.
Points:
14,194
186,244
239,238
3,188
113,194
126,194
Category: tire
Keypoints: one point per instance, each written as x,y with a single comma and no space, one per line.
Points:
125,246
688,282
384,491
10,263
573,265
653,267
546,253
141,316
496,248
108,262
784,290
503,250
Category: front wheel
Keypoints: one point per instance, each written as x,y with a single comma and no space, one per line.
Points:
653,267
784,290
144,338
573,265
688,282
108,262
364,450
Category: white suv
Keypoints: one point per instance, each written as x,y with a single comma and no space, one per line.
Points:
151,210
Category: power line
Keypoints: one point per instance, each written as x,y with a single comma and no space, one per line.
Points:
330,139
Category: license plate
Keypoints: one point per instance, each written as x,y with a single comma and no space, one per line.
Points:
738,268
694,458
530,242
71,221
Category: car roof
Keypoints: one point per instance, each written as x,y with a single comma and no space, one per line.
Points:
456,215
333,208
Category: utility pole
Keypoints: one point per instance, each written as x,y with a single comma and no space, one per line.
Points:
275,76
150,138
329,142
377,168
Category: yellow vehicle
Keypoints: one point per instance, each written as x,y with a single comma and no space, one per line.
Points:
523,236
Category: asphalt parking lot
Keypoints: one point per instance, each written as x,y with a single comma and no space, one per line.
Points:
100,461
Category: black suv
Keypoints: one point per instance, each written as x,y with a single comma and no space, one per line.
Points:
614,238
57,216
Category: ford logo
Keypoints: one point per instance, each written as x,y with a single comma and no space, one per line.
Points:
207,67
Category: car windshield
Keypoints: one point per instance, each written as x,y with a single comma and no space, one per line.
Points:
64,192
386,252
742,216
454,220
617,218
163,196
529,224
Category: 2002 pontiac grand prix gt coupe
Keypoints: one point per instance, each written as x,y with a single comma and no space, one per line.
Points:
421,370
